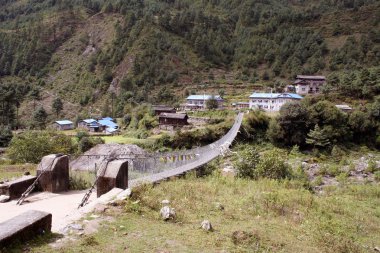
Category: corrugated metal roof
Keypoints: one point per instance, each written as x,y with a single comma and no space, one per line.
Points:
64,122
108,123
107,118
203,97
89,121
275,95
311,77
173,115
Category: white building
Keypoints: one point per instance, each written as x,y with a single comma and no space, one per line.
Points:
194,102
271,101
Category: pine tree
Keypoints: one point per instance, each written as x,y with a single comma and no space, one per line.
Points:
39,118
57,106
317,138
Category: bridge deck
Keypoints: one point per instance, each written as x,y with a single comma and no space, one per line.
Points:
209,153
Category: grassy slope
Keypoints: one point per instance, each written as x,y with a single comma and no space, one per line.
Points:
276,216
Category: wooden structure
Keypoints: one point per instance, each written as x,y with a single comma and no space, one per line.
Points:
158,109
173,119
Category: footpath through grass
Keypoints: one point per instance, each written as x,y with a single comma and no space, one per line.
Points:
248,216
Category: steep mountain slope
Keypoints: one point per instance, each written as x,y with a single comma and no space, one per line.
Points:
159,51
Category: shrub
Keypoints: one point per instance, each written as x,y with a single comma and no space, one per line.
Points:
5,136
81,134
377,176
272,165
247,162
371,167
31,146
87,143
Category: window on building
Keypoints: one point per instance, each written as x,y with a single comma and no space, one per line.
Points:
303,89
260,101
266,100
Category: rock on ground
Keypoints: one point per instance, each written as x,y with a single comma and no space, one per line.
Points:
167,213
206,225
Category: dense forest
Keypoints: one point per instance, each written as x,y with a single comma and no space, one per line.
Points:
169,41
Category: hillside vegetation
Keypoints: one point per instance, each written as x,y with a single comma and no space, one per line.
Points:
160,51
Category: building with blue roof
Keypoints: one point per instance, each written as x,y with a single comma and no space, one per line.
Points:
91,125
194,102
63,125
271,101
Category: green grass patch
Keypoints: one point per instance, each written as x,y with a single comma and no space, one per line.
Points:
258,216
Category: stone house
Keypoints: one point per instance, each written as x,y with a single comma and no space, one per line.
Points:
309,84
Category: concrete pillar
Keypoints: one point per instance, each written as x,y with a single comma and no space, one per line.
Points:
55,169
115,175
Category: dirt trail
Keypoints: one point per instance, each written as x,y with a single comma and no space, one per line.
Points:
62,206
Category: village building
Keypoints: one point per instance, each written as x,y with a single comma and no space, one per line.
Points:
158,109
106,124
309,84
91,125
240,105
271,101
63,125
109,124
172,120
196,102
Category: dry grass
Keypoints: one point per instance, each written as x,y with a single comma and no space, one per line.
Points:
258,216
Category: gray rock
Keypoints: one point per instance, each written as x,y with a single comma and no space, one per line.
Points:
4,198
219,206
76,226
206,225
165,202
124,194
304,165
167,213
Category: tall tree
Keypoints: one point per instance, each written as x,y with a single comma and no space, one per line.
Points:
317,138
39,118
57,106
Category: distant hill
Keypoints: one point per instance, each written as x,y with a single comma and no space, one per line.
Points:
160,51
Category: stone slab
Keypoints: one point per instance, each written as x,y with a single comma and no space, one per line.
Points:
24,227
15,188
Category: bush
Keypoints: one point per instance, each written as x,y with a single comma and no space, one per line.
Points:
5,136
272,165
31,146
81,134
247,162
87,143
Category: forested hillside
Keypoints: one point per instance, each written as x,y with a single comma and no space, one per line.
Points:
155,51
